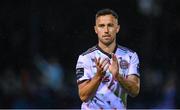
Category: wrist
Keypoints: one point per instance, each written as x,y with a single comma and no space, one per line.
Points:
118,76
99,77
115,74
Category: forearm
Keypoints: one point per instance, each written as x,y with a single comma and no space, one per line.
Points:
88,90
130,85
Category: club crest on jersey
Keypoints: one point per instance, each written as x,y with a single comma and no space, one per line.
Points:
124,64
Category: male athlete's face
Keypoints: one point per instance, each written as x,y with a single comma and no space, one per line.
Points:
106,28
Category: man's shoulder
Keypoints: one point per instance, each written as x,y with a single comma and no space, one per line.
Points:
125,49
90,50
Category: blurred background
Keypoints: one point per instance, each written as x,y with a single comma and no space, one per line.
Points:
40,41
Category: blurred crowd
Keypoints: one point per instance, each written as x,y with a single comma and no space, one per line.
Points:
38,85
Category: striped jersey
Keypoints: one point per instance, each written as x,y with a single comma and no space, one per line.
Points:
110,94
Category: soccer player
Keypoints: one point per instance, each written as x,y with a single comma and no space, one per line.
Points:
107,72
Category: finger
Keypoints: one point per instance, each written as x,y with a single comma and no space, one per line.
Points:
106,67
106,61
112,55
103,61
114,58
97,61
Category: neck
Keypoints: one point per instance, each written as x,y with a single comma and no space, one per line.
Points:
107,48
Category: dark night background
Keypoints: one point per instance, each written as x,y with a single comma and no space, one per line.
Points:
40,41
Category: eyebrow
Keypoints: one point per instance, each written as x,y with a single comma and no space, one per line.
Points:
109,24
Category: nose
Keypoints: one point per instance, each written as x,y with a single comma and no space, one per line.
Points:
106,30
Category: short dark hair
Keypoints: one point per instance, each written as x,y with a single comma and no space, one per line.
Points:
106,11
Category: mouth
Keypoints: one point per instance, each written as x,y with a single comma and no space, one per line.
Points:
107,36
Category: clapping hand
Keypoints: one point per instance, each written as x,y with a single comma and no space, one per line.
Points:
114,66
102,65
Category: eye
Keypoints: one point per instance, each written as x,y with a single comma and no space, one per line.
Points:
110,25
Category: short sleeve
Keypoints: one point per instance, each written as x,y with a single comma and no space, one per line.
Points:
134,65
82,69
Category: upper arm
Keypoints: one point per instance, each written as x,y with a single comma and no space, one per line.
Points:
134,75
82,69
134,65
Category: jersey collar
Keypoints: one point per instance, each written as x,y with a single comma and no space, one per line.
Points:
109,55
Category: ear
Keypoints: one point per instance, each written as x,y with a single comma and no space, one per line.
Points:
118,28
95,29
